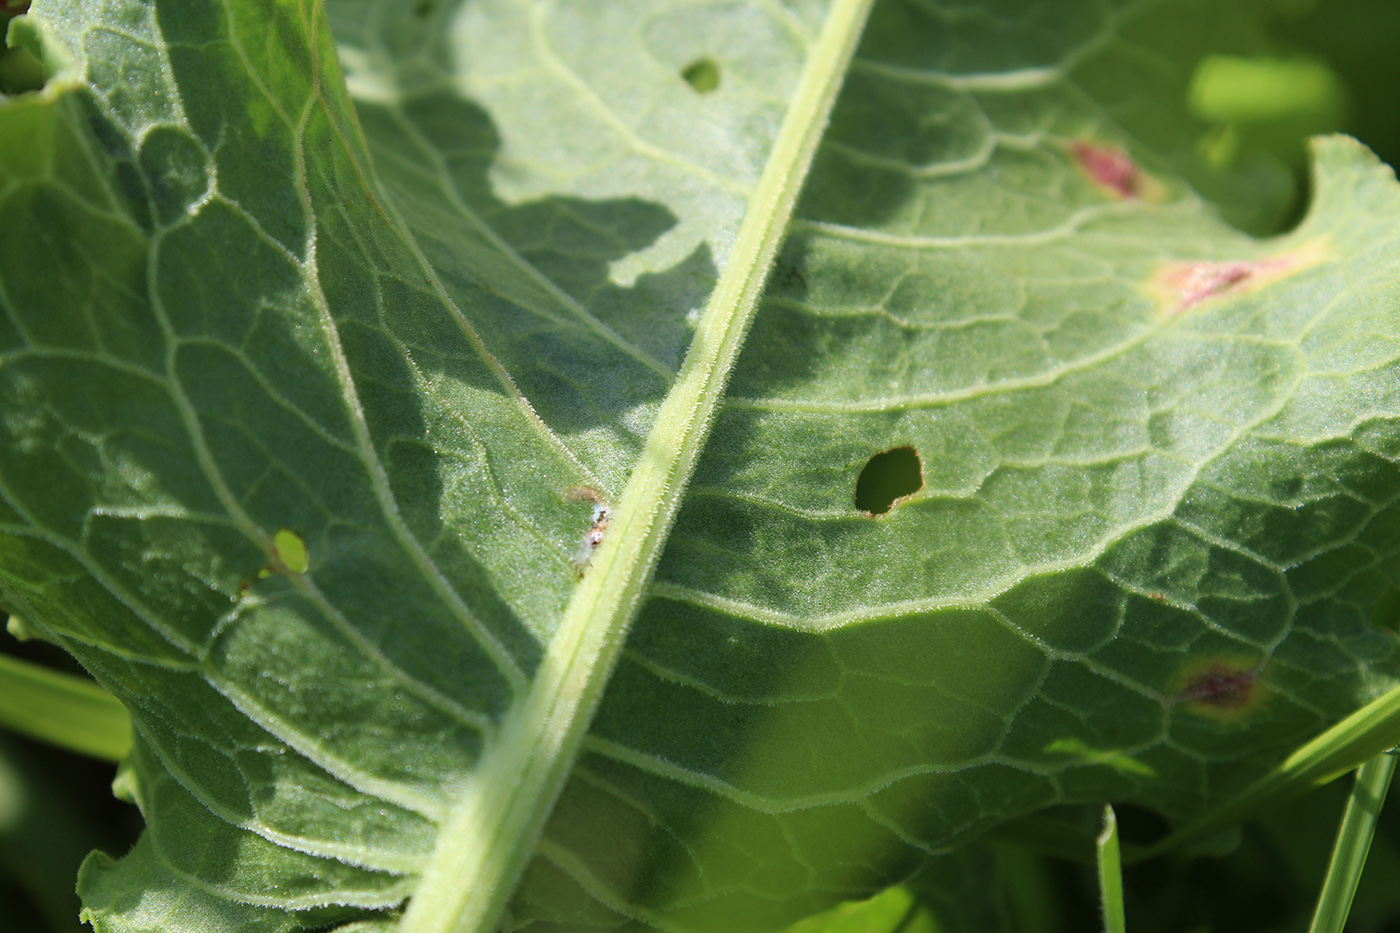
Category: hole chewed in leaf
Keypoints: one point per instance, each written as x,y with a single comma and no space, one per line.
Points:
888,478
1113,171
702,75
1182,285
1221,689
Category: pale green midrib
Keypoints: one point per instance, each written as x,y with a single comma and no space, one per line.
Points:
493,830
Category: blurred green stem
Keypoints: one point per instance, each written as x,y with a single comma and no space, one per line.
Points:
1353,843
63,710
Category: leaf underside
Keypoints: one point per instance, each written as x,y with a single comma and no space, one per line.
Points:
409,282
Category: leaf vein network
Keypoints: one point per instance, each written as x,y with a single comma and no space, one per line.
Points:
333,849
505,663
618,126
442,177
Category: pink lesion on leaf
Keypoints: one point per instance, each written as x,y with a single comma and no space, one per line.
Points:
1113,171
1201,280
1220,689
1183,285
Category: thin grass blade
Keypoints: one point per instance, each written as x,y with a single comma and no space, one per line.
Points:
1354,835
1111,873
62,709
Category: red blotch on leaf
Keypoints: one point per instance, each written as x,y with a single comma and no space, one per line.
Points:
1197,281
1108,167
1220,687
1182,285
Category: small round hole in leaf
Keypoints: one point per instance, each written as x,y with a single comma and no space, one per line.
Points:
887,477
702,75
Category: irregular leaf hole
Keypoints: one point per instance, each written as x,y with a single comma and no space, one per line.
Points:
702,75
888,477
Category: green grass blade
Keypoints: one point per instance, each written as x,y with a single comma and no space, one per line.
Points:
1353,842
1111,873
62,709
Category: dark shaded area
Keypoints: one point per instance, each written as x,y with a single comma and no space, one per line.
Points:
1358,39
20,70
1263,877
68,811
888,476
574,377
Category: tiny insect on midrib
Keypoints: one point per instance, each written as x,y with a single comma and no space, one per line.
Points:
593,537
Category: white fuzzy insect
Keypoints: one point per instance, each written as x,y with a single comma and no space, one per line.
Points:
594,535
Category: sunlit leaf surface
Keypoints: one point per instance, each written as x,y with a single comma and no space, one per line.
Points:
329,338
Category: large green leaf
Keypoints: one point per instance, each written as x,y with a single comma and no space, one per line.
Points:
325,361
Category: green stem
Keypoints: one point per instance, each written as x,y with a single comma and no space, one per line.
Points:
491,833
61,709
1110,874
1354,836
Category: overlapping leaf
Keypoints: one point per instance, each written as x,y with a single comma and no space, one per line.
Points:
428,336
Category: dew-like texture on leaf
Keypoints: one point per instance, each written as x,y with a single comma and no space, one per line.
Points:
331,334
